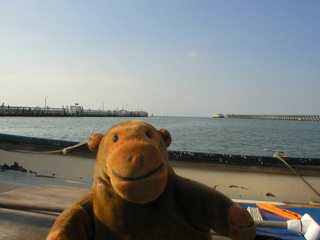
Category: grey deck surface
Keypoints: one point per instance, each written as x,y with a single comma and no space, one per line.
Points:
44,195
35,225
19,225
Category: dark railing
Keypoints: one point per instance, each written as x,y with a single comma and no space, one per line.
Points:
196,157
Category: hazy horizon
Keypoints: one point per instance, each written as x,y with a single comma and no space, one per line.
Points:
182,58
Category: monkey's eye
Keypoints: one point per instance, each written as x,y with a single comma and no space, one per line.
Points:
115,138
148,135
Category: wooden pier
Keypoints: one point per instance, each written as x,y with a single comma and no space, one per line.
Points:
71,111
276,117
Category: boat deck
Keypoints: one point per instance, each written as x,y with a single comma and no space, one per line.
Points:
31,224
44,192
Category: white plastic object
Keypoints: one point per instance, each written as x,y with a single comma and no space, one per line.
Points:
310,228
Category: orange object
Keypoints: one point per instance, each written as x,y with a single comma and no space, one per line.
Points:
279,211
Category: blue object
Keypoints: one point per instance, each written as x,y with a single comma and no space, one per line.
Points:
282,233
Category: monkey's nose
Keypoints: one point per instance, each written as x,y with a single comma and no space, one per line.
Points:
137,159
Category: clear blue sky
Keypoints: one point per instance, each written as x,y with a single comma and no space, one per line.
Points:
184,58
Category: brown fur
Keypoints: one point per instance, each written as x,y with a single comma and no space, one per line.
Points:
136,195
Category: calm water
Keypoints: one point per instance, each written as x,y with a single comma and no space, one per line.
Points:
230,136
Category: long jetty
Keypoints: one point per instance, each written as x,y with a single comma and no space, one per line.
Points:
69,111
276,117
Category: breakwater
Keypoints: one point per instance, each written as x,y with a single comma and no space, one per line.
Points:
276,117
69,111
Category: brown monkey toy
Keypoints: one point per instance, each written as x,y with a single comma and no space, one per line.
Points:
136,195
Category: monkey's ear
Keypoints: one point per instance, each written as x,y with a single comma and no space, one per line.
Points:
166,136
94,141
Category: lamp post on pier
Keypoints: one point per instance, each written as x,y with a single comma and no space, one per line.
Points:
45,101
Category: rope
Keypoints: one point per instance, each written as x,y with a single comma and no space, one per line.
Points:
277,156
64,150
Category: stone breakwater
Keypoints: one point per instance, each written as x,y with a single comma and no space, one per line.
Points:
276,117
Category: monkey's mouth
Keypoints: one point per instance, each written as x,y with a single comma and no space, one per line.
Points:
139,178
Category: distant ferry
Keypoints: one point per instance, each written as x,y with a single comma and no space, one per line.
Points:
218,115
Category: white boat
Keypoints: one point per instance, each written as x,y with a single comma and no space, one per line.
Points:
218,115
41,173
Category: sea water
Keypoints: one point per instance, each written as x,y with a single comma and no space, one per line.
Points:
196,134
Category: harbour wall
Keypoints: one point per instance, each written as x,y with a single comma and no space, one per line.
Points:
276,117
69,111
